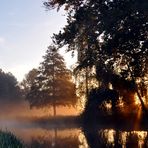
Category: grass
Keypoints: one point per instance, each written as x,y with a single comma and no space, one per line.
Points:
8,140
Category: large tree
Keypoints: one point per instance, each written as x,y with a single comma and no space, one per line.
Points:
53,84
112,36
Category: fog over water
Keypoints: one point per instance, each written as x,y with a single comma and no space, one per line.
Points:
21,121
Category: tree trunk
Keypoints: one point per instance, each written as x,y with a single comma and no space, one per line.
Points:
86,81
142,103
54,101
139,96
54,109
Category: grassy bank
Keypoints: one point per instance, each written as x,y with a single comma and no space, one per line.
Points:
8,140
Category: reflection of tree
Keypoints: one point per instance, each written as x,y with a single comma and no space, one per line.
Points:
59,142
109,138
132,141
91,137
145,141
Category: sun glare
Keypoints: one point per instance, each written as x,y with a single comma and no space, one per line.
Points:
81,104
137,101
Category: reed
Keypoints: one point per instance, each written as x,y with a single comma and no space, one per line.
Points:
8,140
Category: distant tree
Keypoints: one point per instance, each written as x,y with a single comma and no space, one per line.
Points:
9,89
28,81
53,85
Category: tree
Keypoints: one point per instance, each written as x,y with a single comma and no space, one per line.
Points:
85,81
112,37
53,85
28,81
9,90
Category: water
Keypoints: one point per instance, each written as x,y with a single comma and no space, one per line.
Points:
38,136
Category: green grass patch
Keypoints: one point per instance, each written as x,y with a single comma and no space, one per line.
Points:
8,140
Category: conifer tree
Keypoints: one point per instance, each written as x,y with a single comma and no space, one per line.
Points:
53,84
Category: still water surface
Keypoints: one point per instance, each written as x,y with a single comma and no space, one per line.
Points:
36,136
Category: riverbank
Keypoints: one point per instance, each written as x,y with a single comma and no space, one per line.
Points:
8,140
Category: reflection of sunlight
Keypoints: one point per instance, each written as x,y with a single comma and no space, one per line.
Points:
123,139
83,141
138,118
109,135
141,137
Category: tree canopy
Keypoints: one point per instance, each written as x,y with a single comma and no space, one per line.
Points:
28,81
106,32
9,89
53,84
110,35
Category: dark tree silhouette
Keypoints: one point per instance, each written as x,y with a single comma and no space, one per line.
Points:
28,81
53,84
9,89
110,35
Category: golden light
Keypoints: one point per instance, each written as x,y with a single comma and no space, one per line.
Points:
136,99
81,104
109,135
83,141
141,137
124,138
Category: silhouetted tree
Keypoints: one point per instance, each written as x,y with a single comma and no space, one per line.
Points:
28,81
53,85
9,89
110,35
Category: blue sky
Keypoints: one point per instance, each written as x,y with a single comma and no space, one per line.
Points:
25,31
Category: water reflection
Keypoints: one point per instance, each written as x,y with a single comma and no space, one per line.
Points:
107,138
110,138
83,137
59,142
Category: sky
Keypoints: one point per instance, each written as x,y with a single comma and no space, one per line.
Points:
26,28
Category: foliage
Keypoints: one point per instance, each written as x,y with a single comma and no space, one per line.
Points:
9,90
110,35
122,25
53,84
8,140
28,81
85,81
